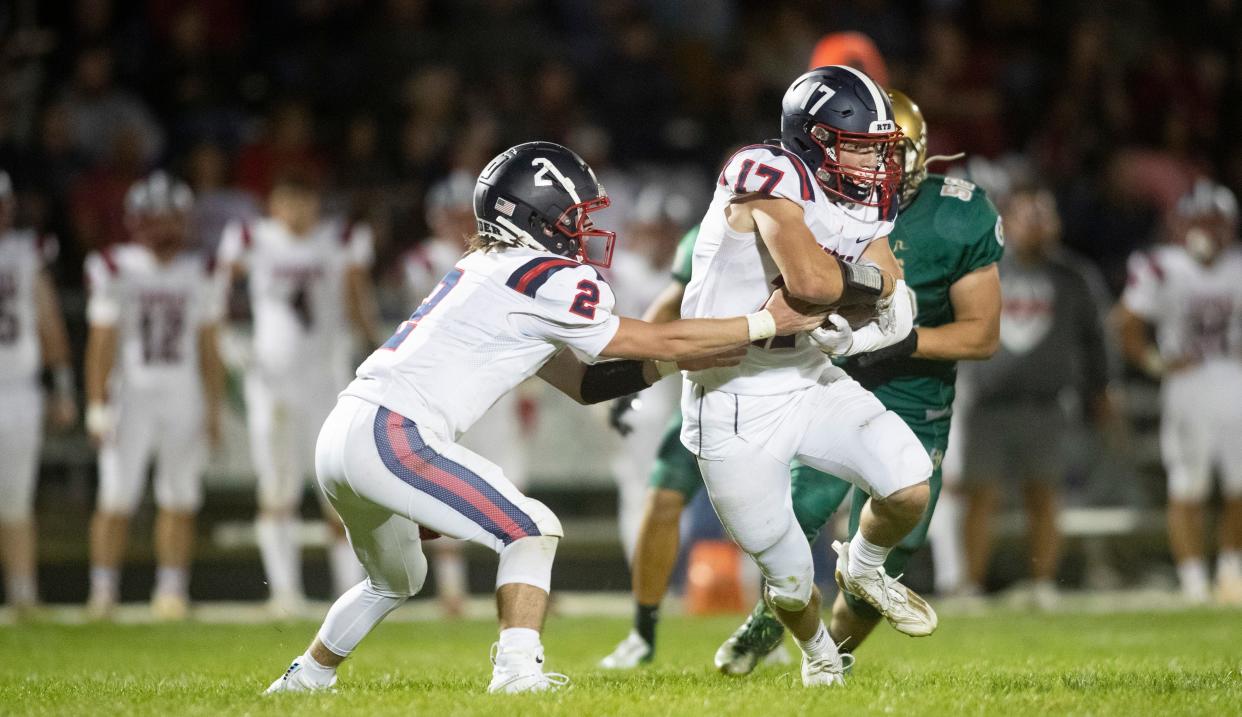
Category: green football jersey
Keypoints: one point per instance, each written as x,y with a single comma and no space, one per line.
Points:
949,230
684,257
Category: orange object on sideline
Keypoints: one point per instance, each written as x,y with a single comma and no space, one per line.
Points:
854,49
714,579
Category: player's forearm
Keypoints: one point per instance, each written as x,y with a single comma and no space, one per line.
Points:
678,340
211,369
53,339
970,340
362,307
1136,346
100,356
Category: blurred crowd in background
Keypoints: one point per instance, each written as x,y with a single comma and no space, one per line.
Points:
1117,106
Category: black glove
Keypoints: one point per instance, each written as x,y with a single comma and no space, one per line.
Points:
901,349
617,411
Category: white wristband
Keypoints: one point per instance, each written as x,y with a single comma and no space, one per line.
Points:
761,324
666,368
98,419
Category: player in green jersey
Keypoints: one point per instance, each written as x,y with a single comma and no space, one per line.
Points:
948,238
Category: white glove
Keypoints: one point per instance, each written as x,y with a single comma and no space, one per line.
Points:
99,421
894,323
835,341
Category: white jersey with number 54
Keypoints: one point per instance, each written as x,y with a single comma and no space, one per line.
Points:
297,291
733,272
491,323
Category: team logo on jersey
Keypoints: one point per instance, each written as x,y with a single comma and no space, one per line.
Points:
1000,231
505,207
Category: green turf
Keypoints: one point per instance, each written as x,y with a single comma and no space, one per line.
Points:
1010,664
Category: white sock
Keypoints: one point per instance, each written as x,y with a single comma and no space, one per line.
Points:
450,567
273,536
1193,576
1229,566
173,581
521,639
21,589
104,583
353,616
346,570
865,556
319,674
819,644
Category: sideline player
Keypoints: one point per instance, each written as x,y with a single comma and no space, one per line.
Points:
824,239
524,301
153,386
32,335
1190,292
308,285
948,240
497,435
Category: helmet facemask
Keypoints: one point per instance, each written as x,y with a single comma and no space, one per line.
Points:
594,245
872,184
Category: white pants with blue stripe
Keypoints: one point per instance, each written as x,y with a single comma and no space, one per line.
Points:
386,479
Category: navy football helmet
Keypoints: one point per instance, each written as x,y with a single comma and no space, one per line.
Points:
541,195
836,107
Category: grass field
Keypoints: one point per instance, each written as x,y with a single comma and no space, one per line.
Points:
1012,663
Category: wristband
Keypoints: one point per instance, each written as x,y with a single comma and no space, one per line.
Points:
861,281
98,419
62,382
666,368
761,325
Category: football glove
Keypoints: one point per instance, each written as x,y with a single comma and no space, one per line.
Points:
617,413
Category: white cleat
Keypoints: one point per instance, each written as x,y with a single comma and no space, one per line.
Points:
170,608
630,653
904,609
297,679
826,670
520,671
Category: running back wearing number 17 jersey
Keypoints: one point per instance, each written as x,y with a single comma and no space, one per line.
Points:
490,324
734,273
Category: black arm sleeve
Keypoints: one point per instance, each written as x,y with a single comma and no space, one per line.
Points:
612,379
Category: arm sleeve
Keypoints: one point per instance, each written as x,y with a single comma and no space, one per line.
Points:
768,170
103,306
360,246
1144,286
573,308
683,260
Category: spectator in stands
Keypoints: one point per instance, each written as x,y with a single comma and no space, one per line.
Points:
99,111
1052,356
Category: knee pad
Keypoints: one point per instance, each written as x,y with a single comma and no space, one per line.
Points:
528,561
789,570
545,520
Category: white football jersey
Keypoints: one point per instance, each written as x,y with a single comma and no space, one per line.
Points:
1196,308
733,272
158,310
297,291
22,255
491,323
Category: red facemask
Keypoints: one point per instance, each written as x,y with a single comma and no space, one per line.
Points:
867,186
594,244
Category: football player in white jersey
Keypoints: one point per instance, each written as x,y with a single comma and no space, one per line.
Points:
812,214
32,335
154,385
524,301
497,435
1190,293
309,285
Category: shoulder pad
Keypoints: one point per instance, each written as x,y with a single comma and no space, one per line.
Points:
768,169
